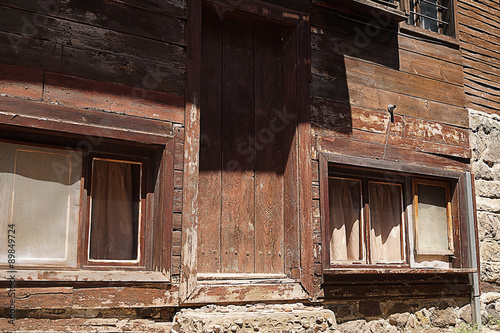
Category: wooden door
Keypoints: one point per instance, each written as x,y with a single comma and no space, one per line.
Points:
246,147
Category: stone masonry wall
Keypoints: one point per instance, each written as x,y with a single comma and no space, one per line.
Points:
485,144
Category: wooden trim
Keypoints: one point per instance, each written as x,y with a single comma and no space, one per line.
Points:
191,152
37,115
353,271
305,147
32,275
266,291
416,182
416,31
391,166
190,288
325,212
365,7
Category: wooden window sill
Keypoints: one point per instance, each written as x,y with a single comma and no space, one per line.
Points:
332,271
412,30
83,276
366,8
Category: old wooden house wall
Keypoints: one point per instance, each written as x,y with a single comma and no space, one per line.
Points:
479,24
126,57
50,53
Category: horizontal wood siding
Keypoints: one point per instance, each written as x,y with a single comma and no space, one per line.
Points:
479,24
358,70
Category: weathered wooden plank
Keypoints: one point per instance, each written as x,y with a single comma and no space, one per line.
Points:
21,82
178,179
179,157
390,153
396,290
304,166
94,64
269,151
374,76
177,201
430,49
433,68
422,108
38,298
210,205
80,35
113,15
381,49
435,132
91,94
123,297
238,188
19,112
177,221
290,176
170,7
265,292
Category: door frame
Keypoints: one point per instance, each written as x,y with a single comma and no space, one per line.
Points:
299,281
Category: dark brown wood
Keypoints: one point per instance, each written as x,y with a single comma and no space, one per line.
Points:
290,175
305,147
210,203
81,93
17,112
191,152
270,151
325,210
238,183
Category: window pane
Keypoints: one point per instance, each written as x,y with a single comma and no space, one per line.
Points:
429,9
42,187
115,210
432,219
345,219
385,222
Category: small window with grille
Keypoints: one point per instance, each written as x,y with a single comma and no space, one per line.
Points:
433,15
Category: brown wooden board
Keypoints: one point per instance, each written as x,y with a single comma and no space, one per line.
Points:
210,186
115,15
238,183
269,151
290,176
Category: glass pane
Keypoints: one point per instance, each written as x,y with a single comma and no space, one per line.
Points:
432,230
115,210
430,10
345,220
386,222
42,187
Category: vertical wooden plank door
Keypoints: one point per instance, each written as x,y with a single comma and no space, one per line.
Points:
243,152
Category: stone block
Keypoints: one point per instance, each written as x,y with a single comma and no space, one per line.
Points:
490,271
488,225
488,189
488,205
355,326
489,250
445,318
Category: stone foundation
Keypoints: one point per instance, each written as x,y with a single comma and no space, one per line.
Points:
485,145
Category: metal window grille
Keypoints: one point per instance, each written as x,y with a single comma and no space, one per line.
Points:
433,15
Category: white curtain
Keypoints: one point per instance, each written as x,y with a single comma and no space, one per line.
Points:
385,219
345,220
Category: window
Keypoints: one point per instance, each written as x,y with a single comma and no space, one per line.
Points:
366,221
433,15
432,216
382,218
82,208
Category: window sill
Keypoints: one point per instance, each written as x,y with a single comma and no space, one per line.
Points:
412,30
83,276
367,8
344,271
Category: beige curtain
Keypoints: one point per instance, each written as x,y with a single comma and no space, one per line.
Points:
385,218
113,220
345,219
